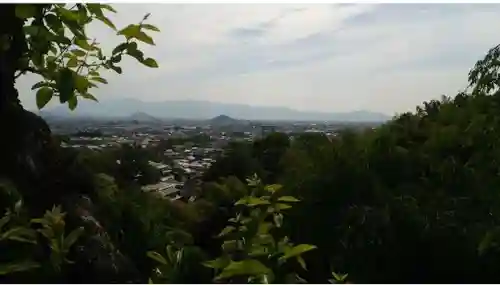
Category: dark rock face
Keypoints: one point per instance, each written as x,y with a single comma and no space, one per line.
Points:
46,175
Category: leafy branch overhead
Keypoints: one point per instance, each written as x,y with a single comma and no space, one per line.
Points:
59,50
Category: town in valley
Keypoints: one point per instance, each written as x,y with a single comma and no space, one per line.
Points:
188,147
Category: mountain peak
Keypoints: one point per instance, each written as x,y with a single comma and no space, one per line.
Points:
223,120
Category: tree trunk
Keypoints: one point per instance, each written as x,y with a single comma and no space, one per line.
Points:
25,135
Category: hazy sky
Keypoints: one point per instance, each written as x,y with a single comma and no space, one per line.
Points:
337,57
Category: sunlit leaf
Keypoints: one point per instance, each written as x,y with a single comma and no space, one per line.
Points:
78,52
217,263
245,267
106,21
288,199
301,261
143,37
129,31
84,45
13,267
297,250
281,206
252,201
150,27
157,257
273,188
226,231
99,79
72,62
107,7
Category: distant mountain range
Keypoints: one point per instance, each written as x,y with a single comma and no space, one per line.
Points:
203,110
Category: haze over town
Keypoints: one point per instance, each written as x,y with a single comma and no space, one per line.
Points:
328,58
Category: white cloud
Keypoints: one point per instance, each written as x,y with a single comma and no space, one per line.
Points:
384,58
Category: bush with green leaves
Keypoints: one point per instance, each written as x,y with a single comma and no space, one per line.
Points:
253,251
49,231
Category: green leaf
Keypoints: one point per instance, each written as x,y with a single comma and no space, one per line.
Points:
72,103
301,261
65,85
84,45
217,263
226,231
107,7
129,31
78,52
40,84
72,62
132,46
297,250
72,237
89,96
485,243
68,17
258,251
25,11
150,27
117,69
137,54
252,201
119,48
150,62
31,30
106,21
273,188
54,23
288,199
99,79
281,206
143,37
116,58
81,83
134,31
229,245
43,96
17,267
18,232
157,257
95,9
249,267
264,228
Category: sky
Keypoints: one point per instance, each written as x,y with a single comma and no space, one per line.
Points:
386,58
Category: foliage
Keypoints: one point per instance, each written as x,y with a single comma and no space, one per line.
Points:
250,248
52,233
58,49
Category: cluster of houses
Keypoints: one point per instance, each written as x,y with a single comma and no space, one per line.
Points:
181,177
